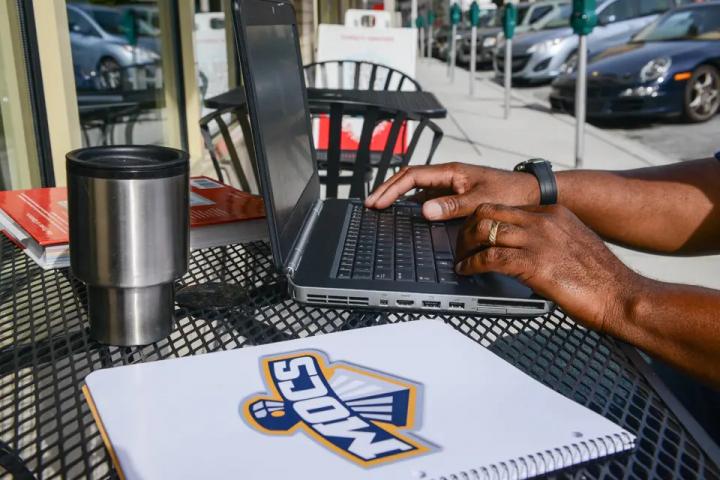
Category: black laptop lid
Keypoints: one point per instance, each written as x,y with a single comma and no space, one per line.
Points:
269,50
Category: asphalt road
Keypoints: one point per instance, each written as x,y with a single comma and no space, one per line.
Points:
684,141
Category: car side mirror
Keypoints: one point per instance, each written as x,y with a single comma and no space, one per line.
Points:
606,20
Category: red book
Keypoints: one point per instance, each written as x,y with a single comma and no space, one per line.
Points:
36,219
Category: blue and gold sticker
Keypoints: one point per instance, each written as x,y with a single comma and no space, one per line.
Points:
362,415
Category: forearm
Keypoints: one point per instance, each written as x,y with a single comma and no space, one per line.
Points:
673,208
677,323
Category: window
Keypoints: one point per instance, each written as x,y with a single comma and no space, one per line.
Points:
19,165
521,12
539,13
652,7
617,12
126,73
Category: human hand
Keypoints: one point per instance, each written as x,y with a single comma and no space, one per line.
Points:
454,190
551,251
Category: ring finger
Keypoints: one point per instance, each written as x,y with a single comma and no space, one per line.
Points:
476,236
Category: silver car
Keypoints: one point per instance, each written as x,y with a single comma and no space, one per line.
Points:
101,50
539,56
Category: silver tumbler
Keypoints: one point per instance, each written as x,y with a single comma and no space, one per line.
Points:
129,237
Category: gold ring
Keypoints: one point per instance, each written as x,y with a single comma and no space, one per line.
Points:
492,238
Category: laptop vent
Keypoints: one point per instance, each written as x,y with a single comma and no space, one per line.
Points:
338,300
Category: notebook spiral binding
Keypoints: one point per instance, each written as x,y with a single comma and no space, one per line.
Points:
548,460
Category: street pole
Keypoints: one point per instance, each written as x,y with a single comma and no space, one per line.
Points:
580,99
452,54
474,21
508,75
455,17
582,20
430,21
473,59
422,41
509,20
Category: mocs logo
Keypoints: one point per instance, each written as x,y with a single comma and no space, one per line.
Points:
355,412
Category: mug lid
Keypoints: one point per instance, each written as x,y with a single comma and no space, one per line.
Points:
127,162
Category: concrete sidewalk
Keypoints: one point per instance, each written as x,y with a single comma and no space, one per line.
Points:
477,133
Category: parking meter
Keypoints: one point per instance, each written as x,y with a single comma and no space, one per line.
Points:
420,24
455,17
430,22
474,22
582,20
509,20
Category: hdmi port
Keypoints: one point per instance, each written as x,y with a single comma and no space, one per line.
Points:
405,303
431,304
458,305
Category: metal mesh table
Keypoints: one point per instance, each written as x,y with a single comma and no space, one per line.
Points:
47,431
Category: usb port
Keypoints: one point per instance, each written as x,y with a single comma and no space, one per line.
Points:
458,305
383,302
405,303
428,304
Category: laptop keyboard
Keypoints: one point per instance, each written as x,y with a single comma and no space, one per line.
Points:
396,244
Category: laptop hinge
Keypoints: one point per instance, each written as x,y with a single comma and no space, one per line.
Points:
299,247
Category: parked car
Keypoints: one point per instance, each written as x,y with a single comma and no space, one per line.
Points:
669,68
531,16
538,56
100,47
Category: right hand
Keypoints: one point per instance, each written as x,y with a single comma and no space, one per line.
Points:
454,190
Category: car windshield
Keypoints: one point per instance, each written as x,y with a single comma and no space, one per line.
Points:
497,19
112,22
691,24
561,17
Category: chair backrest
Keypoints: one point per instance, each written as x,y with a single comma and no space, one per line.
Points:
357,75
217,117
360,164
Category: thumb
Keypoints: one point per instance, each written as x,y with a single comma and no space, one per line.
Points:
448,207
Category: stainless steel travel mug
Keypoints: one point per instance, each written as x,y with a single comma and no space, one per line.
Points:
129,237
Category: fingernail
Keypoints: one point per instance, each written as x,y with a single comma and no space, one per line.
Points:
458,266
432,210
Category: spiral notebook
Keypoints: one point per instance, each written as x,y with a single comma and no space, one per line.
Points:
414,400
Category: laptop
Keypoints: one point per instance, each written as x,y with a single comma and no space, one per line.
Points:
335,252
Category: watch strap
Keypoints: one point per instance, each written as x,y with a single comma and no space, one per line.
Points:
541,169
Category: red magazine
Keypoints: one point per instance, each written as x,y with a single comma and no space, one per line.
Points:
36,219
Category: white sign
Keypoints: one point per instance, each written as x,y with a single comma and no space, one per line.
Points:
394,47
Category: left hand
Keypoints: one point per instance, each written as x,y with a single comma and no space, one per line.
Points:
551,251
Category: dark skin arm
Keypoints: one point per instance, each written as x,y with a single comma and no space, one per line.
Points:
668,209
552,251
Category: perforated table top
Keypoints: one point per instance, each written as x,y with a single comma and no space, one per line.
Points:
47,431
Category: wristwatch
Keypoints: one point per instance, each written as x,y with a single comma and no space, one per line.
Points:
542,170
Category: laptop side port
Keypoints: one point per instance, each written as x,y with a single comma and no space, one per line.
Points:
405,303
457,305
429,304
383,301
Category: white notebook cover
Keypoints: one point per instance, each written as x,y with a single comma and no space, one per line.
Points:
404,401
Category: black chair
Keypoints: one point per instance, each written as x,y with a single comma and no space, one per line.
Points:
357,172
364,75
241,116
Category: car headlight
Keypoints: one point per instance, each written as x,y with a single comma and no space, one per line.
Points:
544,46
489,42
655,69
568,68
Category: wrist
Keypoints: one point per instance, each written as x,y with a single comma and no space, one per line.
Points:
632,297
529,188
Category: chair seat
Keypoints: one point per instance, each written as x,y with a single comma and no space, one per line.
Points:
347,158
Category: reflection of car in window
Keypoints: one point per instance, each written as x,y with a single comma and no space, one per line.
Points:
539,55
668,68
102,48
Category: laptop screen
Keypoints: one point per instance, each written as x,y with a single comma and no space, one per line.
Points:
276,70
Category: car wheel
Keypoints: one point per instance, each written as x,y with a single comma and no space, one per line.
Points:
702,94
109,74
